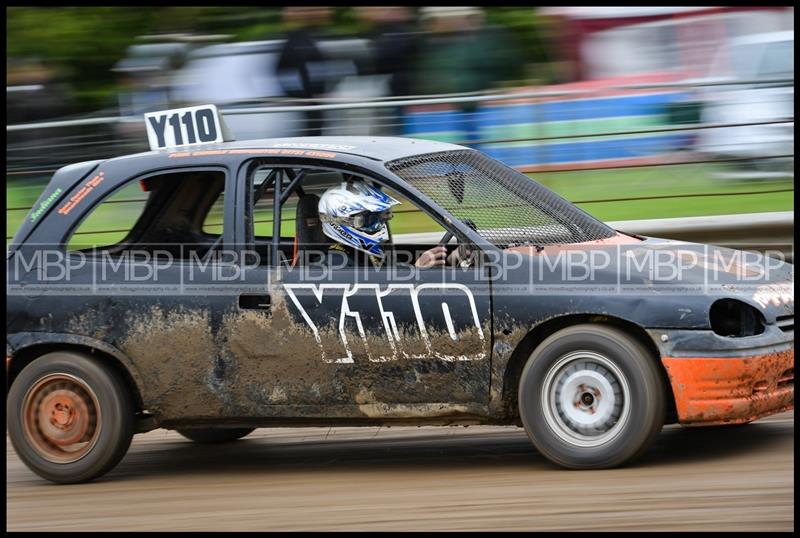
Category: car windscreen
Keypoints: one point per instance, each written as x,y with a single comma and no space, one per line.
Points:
504,206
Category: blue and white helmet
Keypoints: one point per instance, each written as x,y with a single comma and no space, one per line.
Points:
355,214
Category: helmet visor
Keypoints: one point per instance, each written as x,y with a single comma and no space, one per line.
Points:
371,222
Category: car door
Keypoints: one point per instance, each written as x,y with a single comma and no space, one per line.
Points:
363,341
142,279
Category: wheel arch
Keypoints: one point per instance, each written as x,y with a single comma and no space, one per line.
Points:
45,343
522,352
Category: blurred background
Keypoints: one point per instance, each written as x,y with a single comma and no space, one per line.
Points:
630,112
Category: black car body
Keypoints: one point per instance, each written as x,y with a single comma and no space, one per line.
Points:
233,330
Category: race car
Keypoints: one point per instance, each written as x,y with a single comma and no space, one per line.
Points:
212,309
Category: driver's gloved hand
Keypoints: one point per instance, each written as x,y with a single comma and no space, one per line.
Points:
455,257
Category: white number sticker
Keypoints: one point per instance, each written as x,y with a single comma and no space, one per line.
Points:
183,127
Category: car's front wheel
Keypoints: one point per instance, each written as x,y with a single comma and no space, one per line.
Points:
591,397
70,417
214,435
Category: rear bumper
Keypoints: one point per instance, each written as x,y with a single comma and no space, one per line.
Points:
731,390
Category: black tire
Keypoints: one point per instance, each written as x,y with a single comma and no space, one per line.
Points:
568,373
97,390
214,435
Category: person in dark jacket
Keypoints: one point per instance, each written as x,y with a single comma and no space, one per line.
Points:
394,45
301,64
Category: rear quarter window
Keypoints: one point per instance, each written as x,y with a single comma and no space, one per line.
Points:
111,221
179,211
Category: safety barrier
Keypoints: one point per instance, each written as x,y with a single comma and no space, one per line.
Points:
533,131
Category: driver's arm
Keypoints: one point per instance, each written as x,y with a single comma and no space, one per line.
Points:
432,257
437,257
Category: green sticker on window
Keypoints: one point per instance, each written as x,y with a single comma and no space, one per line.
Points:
45,204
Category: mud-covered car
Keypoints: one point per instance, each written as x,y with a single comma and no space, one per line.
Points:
183,288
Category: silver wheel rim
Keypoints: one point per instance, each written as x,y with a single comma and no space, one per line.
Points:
586,399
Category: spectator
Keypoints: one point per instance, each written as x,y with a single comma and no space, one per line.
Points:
447,65
394,45
300,63
394,52
462,55
34,92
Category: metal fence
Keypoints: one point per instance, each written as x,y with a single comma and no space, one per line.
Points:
642,125
626,113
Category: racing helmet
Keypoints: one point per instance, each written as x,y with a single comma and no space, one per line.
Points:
355,214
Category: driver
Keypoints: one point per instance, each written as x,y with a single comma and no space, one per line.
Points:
354,215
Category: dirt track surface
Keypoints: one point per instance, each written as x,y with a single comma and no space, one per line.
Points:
473,478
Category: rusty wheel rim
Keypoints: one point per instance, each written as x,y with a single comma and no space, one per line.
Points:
61,418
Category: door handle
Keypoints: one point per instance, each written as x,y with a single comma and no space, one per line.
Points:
254,302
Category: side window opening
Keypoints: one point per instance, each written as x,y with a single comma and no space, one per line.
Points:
262,189
301,236
410,228
263,194
179,212
410,219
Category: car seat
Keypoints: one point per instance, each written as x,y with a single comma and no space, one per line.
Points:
309,241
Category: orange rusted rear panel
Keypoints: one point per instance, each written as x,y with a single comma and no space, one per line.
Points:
711,390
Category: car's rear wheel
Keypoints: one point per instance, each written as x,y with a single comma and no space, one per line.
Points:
214,435
70,417
591,397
